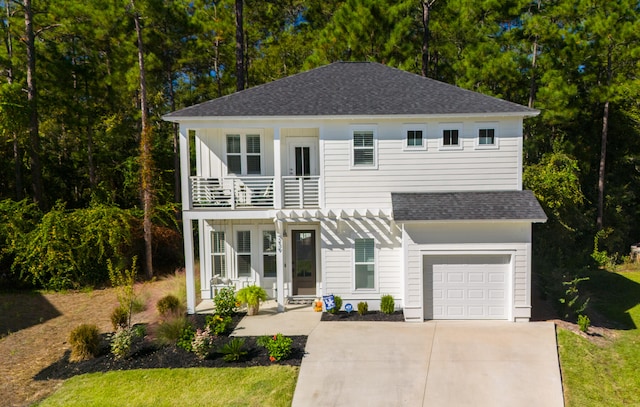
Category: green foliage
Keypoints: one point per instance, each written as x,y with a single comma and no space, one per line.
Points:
571,302
225,301
124,281
233,351
201,344
279,346
363,307
120,317
251,295
387,304
601,257
169,306
17,220
170,331
85,342
124,338
338,304
584,322
187,335
218,324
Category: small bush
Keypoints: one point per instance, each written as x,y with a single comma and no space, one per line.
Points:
120,318
584,322
219,325
233,350
201,343
171,330
225,302
387,304
186,338
363,308
338,301
85,342
122,341
168,306
279,346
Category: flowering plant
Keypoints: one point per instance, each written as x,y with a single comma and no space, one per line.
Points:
201,343
279,346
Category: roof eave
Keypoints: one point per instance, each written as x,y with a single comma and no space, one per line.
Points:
533,220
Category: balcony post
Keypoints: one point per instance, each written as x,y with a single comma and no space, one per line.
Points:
185,167
277,170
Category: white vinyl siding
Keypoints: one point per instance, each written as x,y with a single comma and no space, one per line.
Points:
243,253
430,169
365,265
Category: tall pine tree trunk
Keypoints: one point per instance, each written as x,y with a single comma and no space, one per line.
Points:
146,159
426,35
17,153
239,46
32,98
603,145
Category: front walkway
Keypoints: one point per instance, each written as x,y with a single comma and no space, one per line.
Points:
470,363
296,320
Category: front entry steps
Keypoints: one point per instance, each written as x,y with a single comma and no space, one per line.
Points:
301,300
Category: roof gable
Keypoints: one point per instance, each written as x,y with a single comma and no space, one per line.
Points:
352,89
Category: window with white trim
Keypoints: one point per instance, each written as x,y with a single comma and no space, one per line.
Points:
364,262
243,253
218,254
269,253
244,154
363,147
487,137
450,138
415,136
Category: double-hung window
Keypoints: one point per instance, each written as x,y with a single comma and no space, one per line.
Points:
363,147
269,253
243,253
450,138
218,254
415,136
244,154
486,137
364,261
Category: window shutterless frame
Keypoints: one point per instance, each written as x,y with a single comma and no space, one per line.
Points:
364,147
364,263
451,136
414,137
487,137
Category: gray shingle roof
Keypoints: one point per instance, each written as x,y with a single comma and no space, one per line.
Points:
348,89
486,205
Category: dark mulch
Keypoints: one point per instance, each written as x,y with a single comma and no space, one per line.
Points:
397,316
148,355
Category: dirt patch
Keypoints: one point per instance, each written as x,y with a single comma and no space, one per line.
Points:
31,347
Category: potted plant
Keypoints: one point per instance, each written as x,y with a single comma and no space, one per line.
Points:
252,295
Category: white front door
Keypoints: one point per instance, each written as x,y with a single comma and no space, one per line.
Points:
303,156
466,286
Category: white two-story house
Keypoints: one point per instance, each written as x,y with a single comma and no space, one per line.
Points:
361,180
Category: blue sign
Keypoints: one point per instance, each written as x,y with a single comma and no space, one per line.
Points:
348,307
329,302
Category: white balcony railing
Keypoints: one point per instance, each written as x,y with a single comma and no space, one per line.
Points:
242,192
301,192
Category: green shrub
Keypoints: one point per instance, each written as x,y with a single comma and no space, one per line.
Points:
584,322
119,318
233,350
251,295
169,306
363,308
201,343
186,338
170,331
85,342
225,302
387,304
122,341
279,346
218,324
338,302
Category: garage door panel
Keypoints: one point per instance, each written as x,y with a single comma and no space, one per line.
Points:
467,286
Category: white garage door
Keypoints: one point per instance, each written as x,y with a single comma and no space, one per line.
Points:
466,286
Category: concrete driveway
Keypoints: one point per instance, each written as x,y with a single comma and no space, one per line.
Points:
448,363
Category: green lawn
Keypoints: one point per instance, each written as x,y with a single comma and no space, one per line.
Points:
254,386
606,375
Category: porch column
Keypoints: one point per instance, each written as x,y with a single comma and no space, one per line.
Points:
185,168
277,170
280,265
187,226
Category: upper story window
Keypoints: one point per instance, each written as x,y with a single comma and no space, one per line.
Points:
486,137
363,148
415,136
244,154
451,134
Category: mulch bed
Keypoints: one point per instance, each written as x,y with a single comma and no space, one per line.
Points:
149,355
397,316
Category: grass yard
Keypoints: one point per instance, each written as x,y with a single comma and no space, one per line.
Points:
605,373
253,386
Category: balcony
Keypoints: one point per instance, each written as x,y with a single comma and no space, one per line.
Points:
254,192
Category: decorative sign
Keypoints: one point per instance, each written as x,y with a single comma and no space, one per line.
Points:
348,307
329,302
